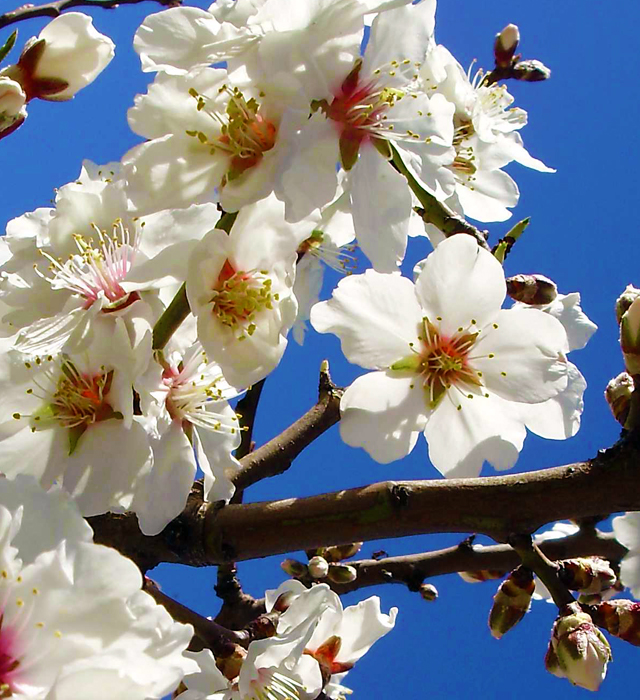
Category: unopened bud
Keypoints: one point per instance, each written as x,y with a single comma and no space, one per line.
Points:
618,396
531,71
532,289
621,618
230,665
505,45
294,568
480,575
578,650
283,601
342,573
589,575
511,602
630,337
428,592
12,103
318,567
342,551
624,301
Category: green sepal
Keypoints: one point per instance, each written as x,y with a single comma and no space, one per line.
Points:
74,434
8,45
349,148
410,363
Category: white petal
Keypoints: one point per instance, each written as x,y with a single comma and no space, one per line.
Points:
483,429
390,429
627,529
461,283
375,316
381,204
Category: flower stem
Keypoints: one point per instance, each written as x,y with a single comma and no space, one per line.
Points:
433,211
171,318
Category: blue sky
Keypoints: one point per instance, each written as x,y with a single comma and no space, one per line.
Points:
583,235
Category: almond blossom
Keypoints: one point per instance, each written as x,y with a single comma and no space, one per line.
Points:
449,361
72,611
240,290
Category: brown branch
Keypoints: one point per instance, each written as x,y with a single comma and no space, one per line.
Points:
55,9
238,608
413,569
276,456
497,506
246,409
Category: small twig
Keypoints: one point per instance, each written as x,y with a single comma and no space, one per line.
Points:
414,569
171,318
209,634
545,569
435,212
239,609
246,410
276,456
55,9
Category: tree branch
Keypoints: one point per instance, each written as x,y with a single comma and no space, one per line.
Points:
55,9
498,506
276,456
413,569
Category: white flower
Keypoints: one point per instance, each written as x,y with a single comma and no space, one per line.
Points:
73,611
192,421
627,531
68,54
240,289
485,139
70,420
450,362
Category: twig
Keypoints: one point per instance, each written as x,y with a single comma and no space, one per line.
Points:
238,608
413,569
171,318
546,570
246,409
276,456
55,9
435,212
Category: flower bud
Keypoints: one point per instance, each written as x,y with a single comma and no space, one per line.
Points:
589,575
342,551
621,618
578,650
12,103
318,567
481,575
624,301
68,54
505,45
512,601
342,573
618,396
531,71
230,665
428,592
532,289
630,337
294,568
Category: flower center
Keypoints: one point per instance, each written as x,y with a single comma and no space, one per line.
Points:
75,401
245,134
193,386
97,271
442,361
271,685
8,663
360,109
239,296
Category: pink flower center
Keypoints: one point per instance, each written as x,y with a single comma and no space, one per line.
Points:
239,296
8,662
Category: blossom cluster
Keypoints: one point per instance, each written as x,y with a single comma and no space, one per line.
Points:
158,289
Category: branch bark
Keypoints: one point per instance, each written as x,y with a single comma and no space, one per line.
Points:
498,506
55,9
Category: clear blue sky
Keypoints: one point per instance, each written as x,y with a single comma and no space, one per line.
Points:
583,235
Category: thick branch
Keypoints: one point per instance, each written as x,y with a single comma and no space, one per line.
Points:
498,506
276,456
55,9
